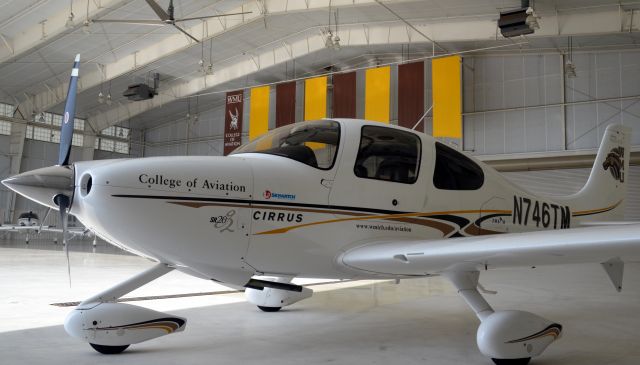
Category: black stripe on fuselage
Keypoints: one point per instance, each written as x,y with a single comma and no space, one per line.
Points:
259,202
460,221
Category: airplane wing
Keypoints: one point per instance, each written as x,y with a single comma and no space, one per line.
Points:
73,231
17,228
597,244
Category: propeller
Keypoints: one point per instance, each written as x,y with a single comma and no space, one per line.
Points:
63,203
165,18
63,200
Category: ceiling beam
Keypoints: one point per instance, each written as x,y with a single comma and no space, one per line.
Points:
594,21
52,27
177,43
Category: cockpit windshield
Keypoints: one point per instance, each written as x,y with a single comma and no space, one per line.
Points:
314,143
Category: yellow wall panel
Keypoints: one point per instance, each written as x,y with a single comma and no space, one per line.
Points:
315,98
446,76
377,97
258,112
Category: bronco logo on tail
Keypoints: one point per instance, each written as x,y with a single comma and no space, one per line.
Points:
615,163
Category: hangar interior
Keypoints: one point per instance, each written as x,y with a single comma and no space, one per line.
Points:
535,107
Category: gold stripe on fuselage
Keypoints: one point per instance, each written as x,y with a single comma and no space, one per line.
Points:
596,211
410,218
382,216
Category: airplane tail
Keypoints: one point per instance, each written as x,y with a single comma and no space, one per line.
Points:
604,193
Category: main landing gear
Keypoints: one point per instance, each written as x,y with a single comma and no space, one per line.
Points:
508,337
271,296
110,327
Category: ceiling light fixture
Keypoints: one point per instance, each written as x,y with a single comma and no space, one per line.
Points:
86,23
209,70
100,97
69,23
85,27
569,66
109,101
328,42
532,19
336,37
570,69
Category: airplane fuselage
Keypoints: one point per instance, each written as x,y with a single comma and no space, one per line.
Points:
228,218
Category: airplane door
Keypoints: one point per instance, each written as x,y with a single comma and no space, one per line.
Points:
381,172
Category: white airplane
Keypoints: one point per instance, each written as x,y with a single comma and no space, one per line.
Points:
334,198
29,224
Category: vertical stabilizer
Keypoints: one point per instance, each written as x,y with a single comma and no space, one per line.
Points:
606,188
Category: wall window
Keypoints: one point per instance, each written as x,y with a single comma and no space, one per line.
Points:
111,131
42,134
78,124
77,140
106,144
47,134
121,147
5,127
6,110
455,171
388,154
113,144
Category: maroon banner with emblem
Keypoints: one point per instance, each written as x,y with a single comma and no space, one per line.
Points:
233,121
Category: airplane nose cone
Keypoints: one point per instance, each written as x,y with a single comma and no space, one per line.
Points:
42,185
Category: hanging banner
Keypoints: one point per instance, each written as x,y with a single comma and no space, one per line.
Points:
411,95
259,112
377,94
233,121
446,76
285,103
315,98
344,95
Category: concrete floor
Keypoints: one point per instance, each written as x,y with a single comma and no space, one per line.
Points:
419,321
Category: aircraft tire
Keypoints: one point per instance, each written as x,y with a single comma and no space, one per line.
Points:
269,309
108,350
523,361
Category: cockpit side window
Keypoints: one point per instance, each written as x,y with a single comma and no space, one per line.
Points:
314,143
455,171
388,154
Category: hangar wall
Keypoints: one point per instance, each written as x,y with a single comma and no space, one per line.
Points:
517,103
205,136
513,103
5,168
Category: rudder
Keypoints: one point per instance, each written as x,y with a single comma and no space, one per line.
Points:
607,184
